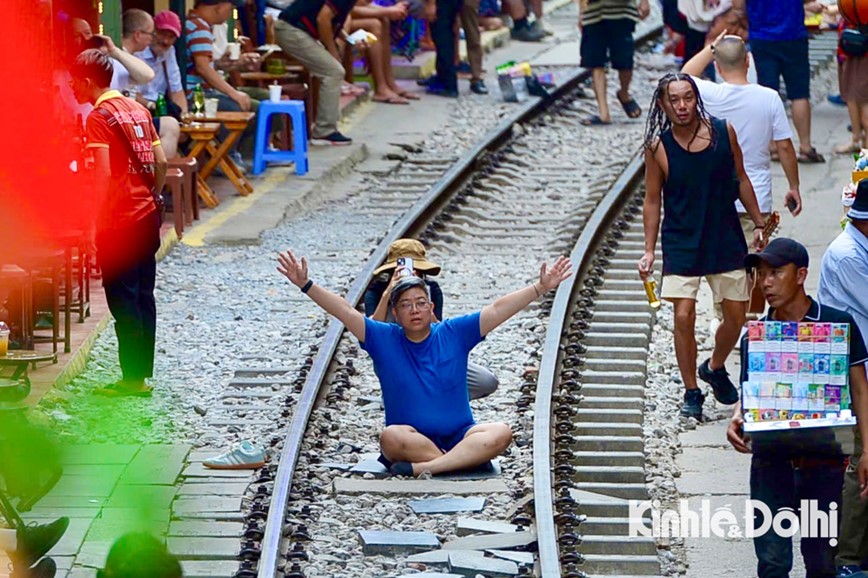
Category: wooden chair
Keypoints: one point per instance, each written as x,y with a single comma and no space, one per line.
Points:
175,182
189,166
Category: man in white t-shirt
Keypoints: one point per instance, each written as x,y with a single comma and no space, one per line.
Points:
758,117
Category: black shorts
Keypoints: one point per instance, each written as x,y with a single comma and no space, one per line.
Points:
156,121
608,41
787,58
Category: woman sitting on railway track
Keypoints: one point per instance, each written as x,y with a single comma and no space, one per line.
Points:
480,381
422,368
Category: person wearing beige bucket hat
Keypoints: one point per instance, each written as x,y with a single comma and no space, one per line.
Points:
480,381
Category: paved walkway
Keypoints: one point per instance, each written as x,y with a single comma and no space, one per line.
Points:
710,468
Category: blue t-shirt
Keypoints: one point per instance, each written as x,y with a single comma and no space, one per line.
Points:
424,384
776,19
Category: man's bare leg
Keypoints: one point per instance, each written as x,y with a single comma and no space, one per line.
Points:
599,76
801,109
402,443
481,443
170,131
727,332
685,340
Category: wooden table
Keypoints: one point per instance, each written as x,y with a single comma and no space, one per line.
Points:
235,124
17,386
263,79
202,135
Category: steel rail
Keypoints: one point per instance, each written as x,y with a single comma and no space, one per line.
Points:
413,221
580,257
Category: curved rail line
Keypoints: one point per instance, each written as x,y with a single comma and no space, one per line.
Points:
414,221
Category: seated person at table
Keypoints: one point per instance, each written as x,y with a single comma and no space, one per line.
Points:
138,34
201,69
307,30
377,20
422,368
160,56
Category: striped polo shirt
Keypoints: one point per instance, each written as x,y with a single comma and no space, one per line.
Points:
594,11
199,42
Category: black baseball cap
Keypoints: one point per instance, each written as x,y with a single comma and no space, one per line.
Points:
779,252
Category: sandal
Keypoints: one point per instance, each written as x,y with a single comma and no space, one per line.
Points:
117,390
631,107
595,120
391,99
409,95
811,157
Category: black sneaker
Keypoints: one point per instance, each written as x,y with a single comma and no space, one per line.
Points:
693,400
36,540
526,34
724,391
334,139
478,87
45,568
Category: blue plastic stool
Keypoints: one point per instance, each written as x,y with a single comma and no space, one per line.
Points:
298,154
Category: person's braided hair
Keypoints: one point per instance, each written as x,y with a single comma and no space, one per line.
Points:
658,122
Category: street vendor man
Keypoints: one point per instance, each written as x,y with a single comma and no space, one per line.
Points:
422,368
781,477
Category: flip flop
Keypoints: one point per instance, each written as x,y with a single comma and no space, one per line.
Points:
631,107
391,100
117,390
811,157
595,120
409,95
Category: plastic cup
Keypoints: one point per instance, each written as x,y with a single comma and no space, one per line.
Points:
274,92
211,107
234,50
4,342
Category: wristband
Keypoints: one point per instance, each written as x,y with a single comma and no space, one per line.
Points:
535,290
307,286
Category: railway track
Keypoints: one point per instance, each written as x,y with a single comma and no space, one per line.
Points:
578,453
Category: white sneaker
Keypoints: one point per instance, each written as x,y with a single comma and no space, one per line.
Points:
712,326
242,456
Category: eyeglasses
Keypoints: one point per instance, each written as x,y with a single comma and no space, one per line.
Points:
419,305
151,34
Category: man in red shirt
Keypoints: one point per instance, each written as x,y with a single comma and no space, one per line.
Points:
127,220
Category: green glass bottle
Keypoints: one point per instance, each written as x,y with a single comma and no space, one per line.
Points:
198,101
162,110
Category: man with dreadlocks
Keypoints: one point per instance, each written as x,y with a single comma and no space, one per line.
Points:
694,165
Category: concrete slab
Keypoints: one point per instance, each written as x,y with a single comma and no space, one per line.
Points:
72,540
157,498
491,541
467,526
213,489
198,548
183,529
89,486
209,569
83,573
708,471
472,474
447,505
156,464
520,558
99,454
395,543
114,523
45,513
206,504
352,486
470,566
197,470
93,553
94,470
439,556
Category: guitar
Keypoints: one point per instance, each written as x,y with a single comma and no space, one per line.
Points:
757,305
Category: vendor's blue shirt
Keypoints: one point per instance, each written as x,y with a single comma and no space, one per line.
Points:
424,384
776,19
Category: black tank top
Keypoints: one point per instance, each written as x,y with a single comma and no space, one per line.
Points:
701,231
